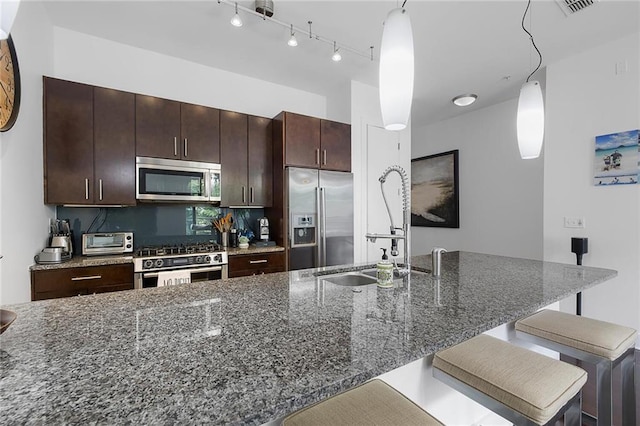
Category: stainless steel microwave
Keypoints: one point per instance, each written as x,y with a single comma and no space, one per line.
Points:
160,179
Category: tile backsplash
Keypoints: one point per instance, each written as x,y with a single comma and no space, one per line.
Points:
154,224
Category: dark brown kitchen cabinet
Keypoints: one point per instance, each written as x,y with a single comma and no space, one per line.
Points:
114,147
89,145
313,142
246,157
174,130
256,264
335,142
67,282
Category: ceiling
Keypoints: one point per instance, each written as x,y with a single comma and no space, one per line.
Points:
460,46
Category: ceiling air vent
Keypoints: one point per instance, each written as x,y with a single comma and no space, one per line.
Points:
569,7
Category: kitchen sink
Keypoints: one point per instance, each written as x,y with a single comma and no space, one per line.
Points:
350,279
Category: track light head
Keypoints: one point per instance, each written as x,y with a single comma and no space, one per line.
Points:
236,21
337,57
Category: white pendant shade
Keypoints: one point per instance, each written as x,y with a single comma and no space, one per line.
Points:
530,124
396,70
8,11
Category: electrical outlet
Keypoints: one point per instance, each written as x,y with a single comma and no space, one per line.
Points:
574,222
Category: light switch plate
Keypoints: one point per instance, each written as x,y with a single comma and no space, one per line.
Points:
574,222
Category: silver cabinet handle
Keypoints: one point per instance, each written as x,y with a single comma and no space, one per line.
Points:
251,195
318,156
86,189
100,188
175,146
186,147
324,157
243,194
253,262
90,277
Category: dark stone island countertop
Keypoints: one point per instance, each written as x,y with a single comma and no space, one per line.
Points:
249,350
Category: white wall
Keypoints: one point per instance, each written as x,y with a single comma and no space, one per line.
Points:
46,50
586,98
500,194
23,216
92,60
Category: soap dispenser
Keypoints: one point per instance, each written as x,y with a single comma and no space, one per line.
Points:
384,271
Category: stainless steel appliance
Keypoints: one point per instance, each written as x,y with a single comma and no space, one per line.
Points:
263,224
202,262
107,243
159,179
320,212
52,255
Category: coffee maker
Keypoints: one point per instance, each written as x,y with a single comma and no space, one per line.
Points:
263,226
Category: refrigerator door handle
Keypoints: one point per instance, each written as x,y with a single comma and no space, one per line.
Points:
319,260
323,225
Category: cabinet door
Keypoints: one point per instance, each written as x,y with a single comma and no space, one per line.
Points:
302,140
260,157
335,141
233,153
68,142
157,127
200,129
114,147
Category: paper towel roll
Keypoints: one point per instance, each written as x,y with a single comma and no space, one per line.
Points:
173,278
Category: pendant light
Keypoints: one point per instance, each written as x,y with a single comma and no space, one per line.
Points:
336,57
8,12
530,119
293,42
396,70
236,21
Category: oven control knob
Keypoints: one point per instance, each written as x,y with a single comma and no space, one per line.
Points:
159,263
199,259
207,259
148,263
217,258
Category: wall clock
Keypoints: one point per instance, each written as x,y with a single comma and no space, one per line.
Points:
9,85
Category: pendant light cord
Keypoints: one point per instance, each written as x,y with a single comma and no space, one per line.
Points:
530,38
403,3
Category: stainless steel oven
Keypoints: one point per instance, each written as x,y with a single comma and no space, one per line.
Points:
192,263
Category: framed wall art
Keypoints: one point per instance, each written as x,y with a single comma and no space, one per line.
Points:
616,160
434,191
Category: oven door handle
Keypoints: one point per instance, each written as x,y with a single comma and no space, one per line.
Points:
212,269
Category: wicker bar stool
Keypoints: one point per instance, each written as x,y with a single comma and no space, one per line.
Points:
373,403
522,386
601,343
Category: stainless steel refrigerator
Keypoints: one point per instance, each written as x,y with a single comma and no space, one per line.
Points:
320,213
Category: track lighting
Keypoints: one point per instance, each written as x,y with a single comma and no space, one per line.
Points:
336,57
236,21
293,42
530,118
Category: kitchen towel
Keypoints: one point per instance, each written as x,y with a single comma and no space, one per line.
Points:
173,278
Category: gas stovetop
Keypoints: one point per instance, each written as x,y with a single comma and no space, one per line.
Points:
168,250
160,258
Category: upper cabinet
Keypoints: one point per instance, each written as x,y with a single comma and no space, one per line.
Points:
170,129
313,142
89,144
246,156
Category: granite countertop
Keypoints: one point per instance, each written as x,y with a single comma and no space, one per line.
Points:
84,261
249,350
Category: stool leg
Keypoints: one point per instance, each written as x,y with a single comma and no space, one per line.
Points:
573,415
603,392
628,388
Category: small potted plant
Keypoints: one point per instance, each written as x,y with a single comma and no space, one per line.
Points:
243,242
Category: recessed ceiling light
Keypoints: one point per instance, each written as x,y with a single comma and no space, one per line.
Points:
465,100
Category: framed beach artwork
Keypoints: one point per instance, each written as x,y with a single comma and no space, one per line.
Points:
617,161
434,191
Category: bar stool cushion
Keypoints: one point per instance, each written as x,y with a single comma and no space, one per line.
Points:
373,403
600,338
527,382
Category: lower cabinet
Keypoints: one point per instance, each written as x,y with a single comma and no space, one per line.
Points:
255,264
66,282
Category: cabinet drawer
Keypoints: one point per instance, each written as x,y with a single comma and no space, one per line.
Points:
77,281
254,264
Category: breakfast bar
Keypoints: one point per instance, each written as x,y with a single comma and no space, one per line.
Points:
253,349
